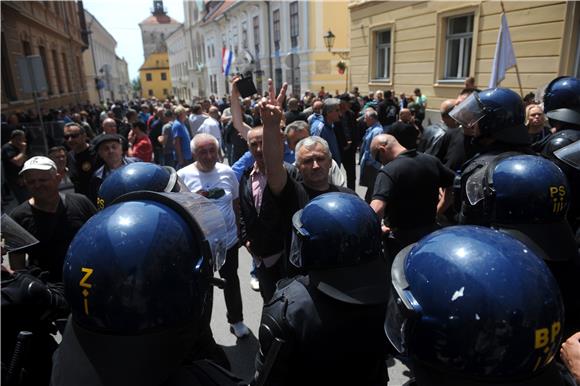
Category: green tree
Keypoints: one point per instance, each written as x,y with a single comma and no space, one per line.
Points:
136,84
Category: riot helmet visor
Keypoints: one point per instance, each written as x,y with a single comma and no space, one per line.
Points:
474,186
203,216
402,308
570,155
299,234
468,112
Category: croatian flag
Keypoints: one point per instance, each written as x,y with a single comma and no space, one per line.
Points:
227,60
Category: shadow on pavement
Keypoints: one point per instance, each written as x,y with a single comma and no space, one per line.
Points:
242,356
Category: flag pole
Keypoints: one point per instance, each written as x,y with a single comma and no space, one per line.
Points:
516,66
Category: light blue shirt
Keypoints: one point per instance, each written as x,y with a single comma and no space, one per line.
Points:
326,131
365,148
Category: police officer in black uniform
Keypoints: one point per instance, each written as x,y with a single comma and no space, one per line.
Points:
528,197
147,176
30,308
562,107
137,277
494,118
472,306
325,328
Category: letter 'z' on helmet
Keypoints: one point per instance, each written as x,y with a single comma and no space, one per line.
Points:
475,303
135,267
498,112
138,176
137,278
337,239
562,100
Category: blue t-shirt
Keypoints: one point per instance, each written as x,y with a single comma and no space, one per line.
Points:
179,131
365,148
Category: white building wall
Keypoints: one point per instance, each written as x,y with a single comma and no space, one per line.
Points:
178,63
227,30
100,61
155,37
125,89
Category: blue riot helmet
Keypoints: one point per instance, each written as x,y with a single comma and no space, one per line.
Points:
139,176
498,112
337,239
562,100
526,194
475,303
137,277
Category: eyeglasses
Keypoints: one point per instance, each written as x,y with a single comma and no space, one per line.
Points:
74,135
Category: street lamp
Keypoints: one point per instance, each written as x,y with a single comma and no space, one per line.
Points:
329,40
329,43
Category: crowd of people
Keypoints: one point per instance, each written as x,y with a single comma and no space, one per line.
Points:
480,209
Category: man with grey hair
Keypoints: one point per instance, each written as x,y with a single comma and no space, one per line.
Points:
216,181
313,160
324,127
297,131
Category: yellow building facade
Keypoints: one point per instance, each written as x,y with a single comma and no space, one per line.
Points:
155,76
436,45
321,64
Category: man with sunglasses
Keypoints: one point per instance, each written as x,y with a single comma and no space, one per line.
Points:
81,159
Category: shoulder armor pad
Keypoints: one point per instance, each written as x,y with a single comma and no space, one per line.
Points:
560,140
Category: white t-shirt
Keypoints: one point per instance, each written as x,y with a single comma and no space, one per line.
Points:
211,126
195,121
221,186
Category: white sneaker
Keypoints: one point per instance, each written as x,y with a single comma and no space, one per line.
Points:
255,283
240,330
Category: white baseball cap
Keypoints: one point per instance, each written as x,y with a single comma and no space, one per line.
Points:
38,163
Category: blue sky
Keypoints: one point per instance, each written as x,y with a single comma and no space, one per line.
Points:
122,17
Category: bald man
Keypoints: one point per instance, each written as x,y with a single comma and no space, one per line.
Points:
432,135
406,192
109,126
450,147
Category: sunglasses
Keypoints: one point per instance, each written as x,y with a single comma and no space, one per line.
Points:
75,135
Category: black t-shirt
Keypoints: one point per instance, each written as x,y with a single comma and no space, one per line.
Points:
296,194
54,231
11,171
410,186
155,132
451,151
81,167
292,116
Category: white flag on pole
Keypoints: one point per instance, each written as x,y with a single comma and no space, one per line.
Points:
504,54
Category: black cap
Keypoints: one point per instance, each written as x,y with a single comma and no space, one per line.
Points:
346,97
100,139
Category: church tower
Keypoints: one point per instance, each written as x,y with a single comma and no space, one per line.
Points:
154,73
156,28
